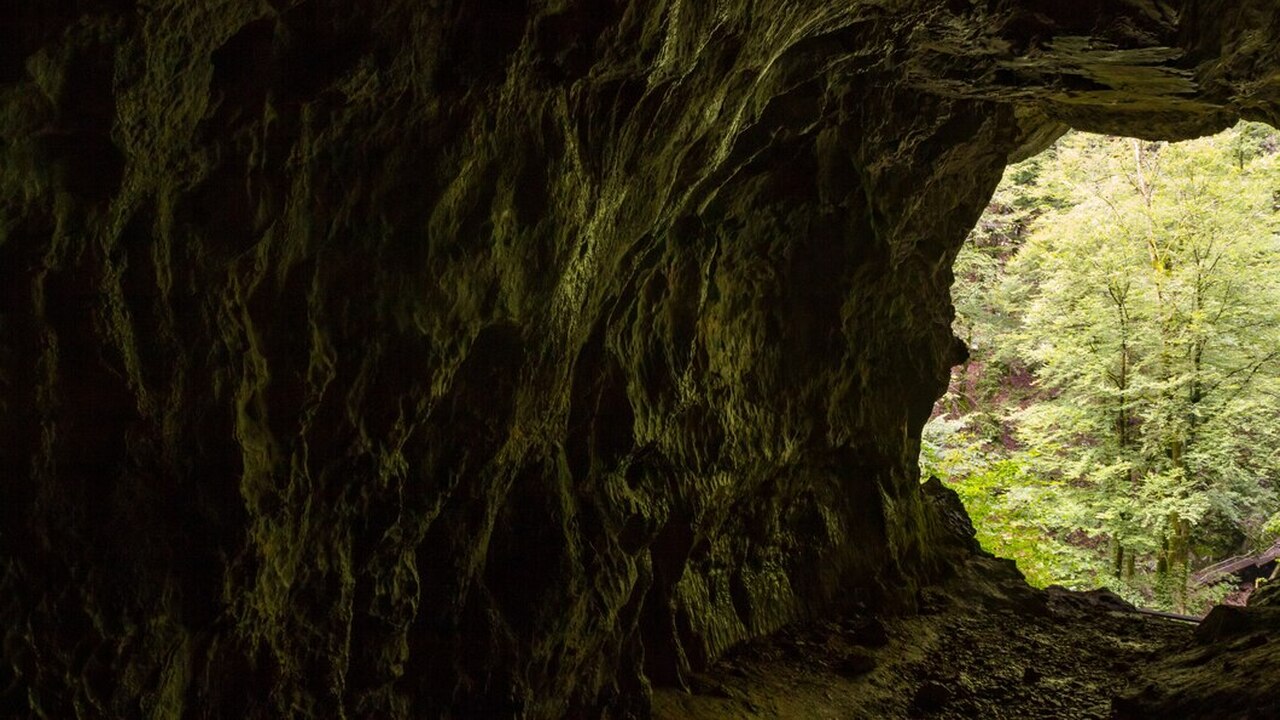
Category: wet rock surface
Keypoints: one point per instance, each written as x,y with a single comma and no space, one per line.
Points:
502,358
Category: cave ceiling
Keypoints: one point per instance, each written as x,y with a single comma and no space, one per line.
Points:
409,359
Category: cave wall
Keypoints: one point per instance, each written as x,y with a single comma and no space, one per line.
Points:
438,359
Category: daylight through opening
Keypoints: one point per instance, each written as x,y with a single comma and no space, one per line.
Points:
1117,423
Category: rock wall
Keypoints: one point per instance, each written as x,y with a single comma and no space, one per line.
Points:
403,359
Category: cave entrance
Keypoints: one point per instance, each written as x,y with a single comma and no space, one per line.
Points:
1116,423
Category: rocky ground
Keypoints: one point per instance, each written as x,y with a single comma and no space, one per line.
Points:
997,649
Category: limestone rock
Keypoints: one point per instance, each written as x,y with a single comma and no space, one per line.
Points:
500,357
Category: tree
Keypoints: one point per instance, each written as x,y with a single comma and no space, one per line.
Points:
1142,290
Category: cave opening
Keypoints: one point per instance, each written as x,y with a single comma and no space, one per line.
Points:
546,359
1114,423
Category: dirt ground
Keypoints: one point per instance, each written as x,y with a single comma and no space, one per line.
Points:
990,649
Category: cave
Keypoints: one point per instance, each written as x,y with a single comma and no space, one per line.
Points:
505,358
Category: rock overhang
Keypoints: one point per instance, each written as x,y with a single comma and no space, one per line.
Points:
499,357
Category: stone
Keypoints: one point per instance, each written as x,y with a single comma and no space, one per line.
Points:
1228,622
931,697
856,664
870,633
496,358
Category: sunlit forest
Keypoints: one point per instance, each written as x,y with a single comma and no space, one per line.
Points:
1118,420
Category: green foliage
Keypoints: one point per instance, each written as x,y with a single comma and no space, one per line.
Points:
1118,416
1271,530
1017,516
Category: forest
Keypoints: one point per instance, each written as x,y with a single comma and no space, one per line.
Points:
1117,422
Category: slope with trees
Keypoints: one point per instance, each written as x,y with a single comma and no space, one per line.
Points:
1118,421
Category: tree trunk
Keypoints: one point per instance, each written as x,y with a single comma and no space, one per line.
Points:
1178,559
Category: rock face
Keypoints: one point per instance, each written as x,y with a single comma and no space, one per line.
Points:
440,359
1228,670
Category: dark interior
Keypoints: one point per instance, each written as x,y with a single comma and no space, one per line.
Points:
506,358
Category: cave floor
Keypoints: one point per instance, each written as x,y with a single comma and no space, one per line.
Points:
989,649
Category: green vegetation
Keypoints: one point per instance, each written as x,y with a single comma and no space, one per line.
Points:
1118,422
